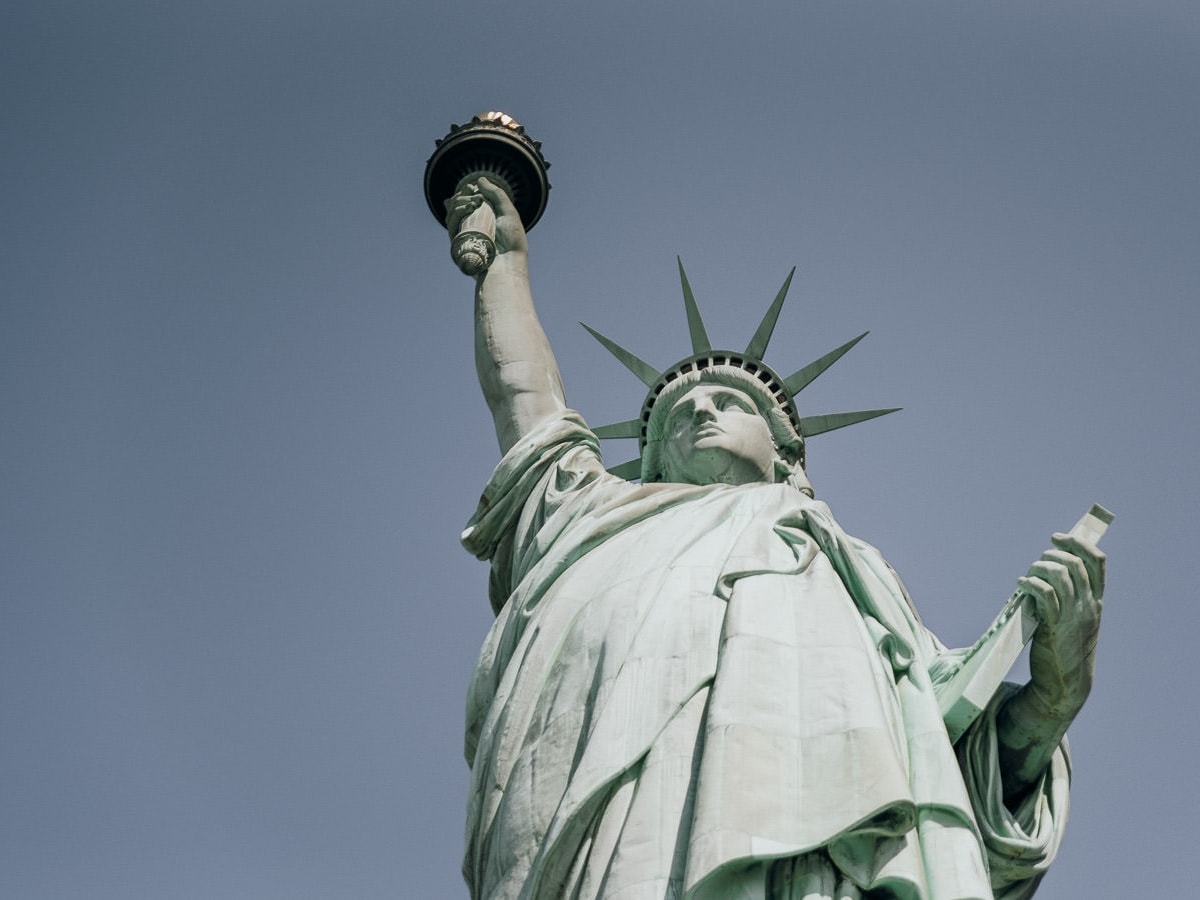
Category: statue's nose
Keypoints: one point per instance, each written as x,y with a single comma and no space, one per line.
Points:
703,411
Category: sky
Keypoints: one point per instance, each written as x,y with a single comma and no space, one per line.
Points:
241,431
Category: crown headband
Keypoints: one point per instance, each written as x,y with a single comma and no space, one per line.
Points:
781,390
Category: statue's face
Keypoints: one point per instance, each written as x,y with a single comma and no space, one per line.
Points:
715,435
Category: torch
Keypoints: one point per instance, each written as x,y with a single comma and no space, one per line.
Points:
494,146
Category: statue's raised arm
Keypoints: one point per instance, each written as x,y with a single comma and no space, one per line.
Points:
516,367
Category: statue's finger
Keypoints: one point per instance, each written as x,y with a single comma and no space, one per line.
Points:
1057,576
1075,569
1045,598
464,201
1092,556
459,207
498,197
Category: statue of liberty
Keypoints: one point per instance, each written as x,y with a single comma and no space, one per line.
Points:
697,685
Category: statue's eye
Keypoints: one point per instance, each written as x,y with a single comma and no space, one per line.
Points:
676,420
730,401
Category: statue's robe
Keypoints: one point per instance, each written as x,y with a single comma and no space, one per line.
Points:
714,692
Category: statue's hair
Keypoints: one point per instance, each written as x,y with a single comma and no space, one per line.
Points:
789,444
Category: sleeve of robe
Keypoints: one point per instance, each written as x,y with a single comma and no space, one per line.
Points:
547,478
1021,842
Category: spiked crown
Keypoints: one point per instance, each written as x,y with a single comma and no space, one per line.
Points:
780,391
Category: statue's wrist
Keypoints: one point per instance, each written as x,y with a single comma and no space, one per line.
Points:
1070,655
1058,699
510,263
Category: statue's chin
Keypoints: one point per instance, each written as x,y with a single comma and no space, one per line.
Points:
718,465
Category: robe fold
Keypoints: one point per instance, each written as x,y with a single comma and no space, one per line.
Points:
713,692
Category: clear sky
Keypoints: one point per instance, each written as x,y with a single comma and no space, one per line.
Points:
241,431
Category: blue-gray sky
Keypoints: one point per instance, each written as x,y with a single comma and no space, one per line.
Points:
241,431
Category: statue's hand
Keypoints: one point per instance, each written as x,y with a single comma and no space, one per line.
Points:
1067,585
510,232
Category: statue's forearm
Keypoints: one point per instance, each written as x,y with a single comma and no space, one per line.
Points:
1030,726
517,370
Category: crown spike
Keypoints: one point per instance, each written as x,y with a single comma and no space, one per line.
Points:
700,342
757,347
629,429
798,381
643,370
810,425
627,470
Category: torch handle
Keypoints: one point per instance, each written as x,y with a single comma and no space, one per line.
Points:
474,247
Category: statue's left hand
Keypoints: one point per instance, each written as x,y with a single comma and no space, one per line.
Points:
1067,585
